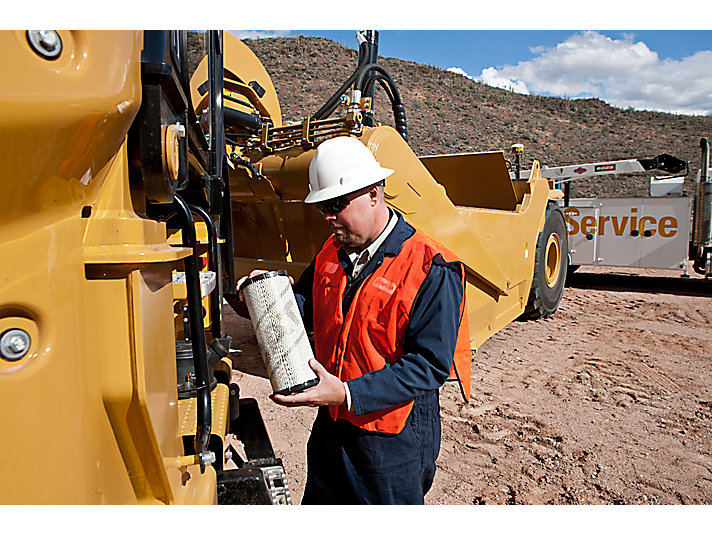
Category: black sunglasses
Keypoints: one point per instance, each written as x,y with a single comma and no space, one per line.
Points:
333,206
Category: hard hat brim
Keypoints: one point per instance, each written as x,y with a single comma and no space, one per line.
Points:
339,190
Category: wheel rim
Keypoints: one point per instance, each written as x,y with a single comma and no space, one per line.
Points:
553,260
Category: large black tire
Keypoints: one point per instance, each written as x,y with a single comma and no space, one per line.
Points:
550,266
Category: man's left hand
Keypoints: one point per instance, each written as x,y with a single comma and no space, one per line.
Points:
329,391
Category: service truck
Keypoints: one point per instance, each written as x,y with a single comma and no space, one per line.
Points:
666,230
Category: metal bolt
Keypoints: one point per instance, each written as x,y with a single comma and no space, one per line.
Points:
207,457
17,344
14,344
48,39
45,43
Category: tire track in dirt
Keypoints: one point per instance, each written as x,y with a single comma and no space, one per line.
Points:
608,401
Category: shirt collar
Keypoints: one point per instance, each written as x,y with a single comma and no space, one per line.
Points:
360,259
392,241
392,221
401,231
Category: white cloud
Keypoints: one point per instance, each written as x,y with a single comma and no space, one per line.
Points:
493,77
622,72
490,77
259,34
458,70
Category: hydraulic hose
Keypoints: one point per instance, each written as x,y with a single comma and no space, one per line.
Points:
363,53
238,101
399,117
368,53
234,117
240,162
330,105
361,81
195,316
381,81
333,102
361,76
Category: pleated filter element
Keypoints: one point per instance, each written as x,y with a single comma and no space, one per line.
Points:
280,332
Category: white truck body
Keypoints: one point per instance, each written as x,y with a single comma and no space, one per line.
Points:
658,232
630,232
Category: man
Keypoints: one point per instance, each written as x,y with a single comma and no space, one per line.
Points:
386,307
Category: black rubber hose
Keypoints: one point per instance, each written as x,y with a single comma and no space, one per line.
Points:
387,83
361,80
333,102
401,123
382,82
363,53
237,160
330,105
233,117
368,53
396,103
238,101
195,316
368,117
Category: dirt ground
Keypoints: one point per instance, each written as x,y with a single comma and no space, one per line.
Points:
607,402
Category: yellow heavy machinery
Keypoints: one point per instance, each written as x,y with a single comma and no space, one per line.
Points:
142,173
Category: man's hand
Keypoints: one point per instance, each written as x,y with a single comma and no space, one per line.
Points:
241,281
329,391
255,272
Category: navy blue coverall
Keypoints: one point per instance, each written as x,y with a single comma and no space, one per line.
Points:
349,465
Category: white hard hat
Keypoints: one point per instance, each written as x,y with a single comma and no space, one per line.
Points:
340,166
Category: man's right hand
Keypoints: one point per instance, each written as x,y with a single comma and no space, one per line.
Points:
254,272
329,391
241,281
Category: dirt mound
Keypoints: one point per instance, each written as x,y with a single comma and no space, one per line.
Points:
448,113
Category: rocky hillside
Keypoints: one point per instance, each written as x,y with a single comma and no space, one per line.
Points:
448,113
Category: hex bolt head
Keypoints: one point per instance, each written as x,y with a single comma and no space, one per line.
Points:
45,43
48,39
207,457
14,344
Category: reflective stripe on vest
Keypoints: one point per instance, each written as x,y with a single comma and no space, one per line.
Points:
371,334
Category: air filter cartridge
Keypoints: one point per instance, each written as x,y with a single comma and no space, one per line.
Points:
280,332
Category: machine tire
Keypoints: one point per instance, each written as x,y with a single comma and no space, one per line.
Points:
550,266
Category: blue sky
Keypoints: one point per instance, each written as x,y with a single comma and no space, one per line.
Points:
669,70
642,67
475,50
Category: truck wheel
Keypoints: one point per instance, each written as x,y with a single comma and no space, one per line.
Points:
550,266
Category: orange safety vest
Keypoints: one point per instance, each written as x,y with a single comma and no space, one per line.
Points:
371,334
